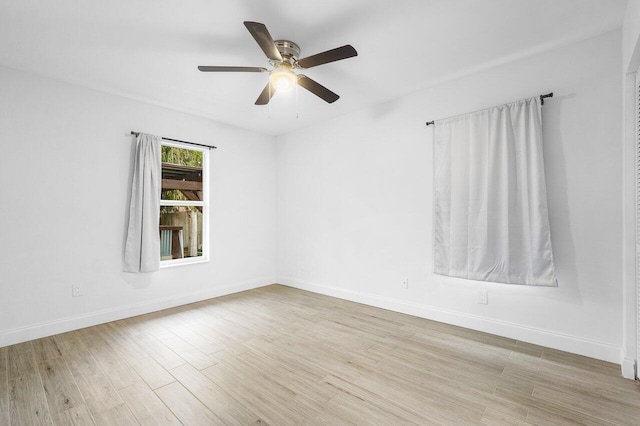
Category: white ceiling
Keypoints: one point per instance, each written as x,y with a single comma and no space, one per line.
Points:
149,50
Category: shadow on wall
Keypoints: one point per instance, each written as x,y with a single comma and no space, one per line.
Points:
557,198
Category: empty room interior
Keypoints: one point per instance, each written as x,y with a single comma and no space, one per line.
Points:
286,212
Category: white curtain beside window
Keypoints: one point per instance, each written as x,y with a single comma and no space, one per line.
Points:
142,247
490,204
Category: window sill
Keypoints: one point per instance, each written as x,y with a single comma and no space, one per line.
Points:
182,262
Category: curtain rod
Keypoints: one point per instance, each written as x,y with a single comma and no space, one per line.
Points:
542,98
178,140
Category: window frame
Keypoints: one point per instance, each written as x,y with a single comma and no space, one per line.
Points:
204,204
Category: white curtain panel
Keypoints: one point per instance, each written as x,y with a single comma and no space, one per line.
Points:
490,204
142,247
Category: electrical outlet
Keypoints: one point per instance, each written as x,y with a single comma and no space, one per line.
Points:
77,290
483,297
405,282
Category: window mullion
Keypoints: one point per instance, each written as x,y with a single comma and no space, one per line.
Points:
181,203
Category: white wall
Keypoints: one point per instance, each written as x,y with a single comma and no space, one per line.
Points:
355,203
65,167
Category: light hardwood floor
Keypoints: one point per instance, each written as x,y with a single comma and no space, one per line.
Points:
282,356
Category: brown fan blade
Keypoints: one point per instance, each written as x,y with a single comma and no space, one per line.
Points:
205,68
317,89
332,55
263,38
266,95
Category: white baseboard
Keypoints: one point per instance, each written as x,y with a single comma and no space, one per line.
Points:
577,345
550,339
49,328
629,368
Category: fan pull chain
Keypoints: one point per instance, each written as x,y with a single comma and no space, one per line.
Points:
297,109
269,103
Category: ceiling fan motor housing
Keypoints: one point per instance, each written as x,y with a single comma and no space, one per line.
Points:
289,50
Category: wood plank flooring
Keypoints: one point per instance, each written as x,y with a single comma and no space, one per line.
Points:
281,356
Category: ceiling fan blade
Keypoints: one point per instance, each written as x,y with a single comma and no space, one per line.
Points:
205,68
263,38
317,89
332,55
266,95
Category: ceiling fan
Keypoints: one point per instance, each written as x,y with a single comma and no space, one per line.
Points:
283,56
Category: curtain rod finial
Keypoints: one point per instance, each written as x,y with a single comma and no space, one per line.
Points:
542,97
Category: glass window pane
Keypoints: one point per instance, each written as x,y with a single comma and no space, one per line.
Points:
181,174
180,232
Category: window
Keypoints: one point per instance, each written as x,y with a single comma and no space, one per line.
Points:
184,215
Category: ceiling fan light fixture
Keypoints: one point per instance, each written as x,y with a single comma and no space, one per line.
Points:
282,79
